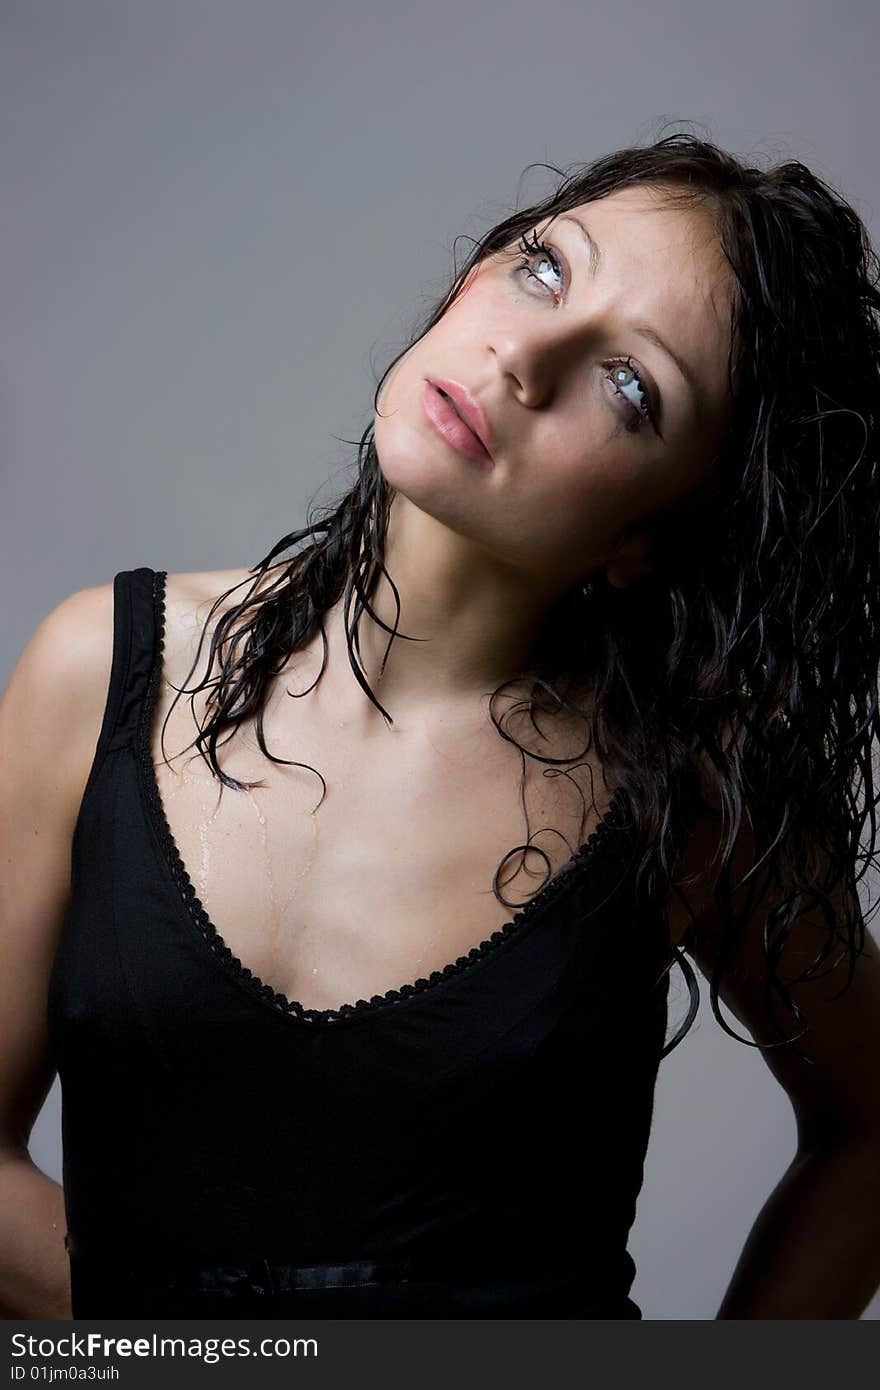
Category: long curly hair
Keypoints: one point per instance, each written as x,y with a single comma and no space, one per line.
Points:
762,617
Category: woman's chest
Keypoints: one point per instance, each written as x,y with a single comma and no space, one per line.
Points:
336,895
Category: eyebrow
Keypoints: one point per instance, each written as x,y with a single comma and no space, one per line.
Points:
645,330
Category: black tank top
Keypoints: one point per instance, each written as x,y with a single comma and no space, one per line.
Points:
468,1145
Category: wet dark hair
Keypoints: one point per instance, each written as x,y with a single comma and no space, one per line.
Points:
762,616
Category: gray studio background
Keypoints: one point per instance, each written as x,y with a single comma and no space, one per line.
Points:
218,222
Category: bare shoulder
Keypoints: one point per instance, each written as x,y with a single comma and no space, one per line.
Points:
50,716
53,704
692,888
833,1083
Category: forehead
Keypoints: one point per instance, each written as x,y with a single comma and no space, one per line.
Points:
666,266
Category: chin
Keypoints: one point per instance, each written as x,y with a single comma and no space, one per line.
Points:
417,481
431,490
415,464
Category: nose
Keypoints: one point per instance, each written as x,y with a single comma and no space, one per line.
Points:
537,357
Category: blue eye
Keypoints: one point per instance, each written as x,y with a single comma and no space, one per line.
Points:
638,411
617,375
533,248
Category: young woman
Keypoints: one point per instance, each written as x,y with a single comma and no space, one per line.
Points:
359,1013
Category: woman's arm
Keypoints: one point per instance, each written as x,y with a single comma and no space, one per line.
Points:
34,1271
814,1250
50,718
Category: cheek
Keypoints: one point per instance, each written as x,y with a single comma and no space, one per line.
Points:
573,502
577,464
481,294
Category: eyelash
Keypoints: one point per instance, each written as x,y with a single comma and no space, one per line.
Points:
635,416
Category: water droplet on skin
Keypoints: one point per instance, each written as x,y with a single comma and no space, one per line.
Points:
204,860
272,922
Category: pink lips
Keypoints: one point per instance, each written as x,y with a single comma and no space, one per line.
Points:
451,427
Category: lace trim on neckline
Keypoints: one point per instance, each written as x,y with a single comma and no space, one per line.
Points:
241,972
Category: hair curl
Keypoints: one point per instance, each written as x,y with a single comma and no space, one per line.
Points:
763,616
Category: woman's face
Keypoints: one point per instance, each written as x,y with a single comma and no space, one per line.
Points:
542,340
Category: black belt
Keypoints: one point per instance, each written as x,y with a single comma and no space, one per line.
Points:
128,1283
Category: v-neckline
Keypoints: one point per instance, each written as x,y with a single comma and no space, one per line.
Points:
209,933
